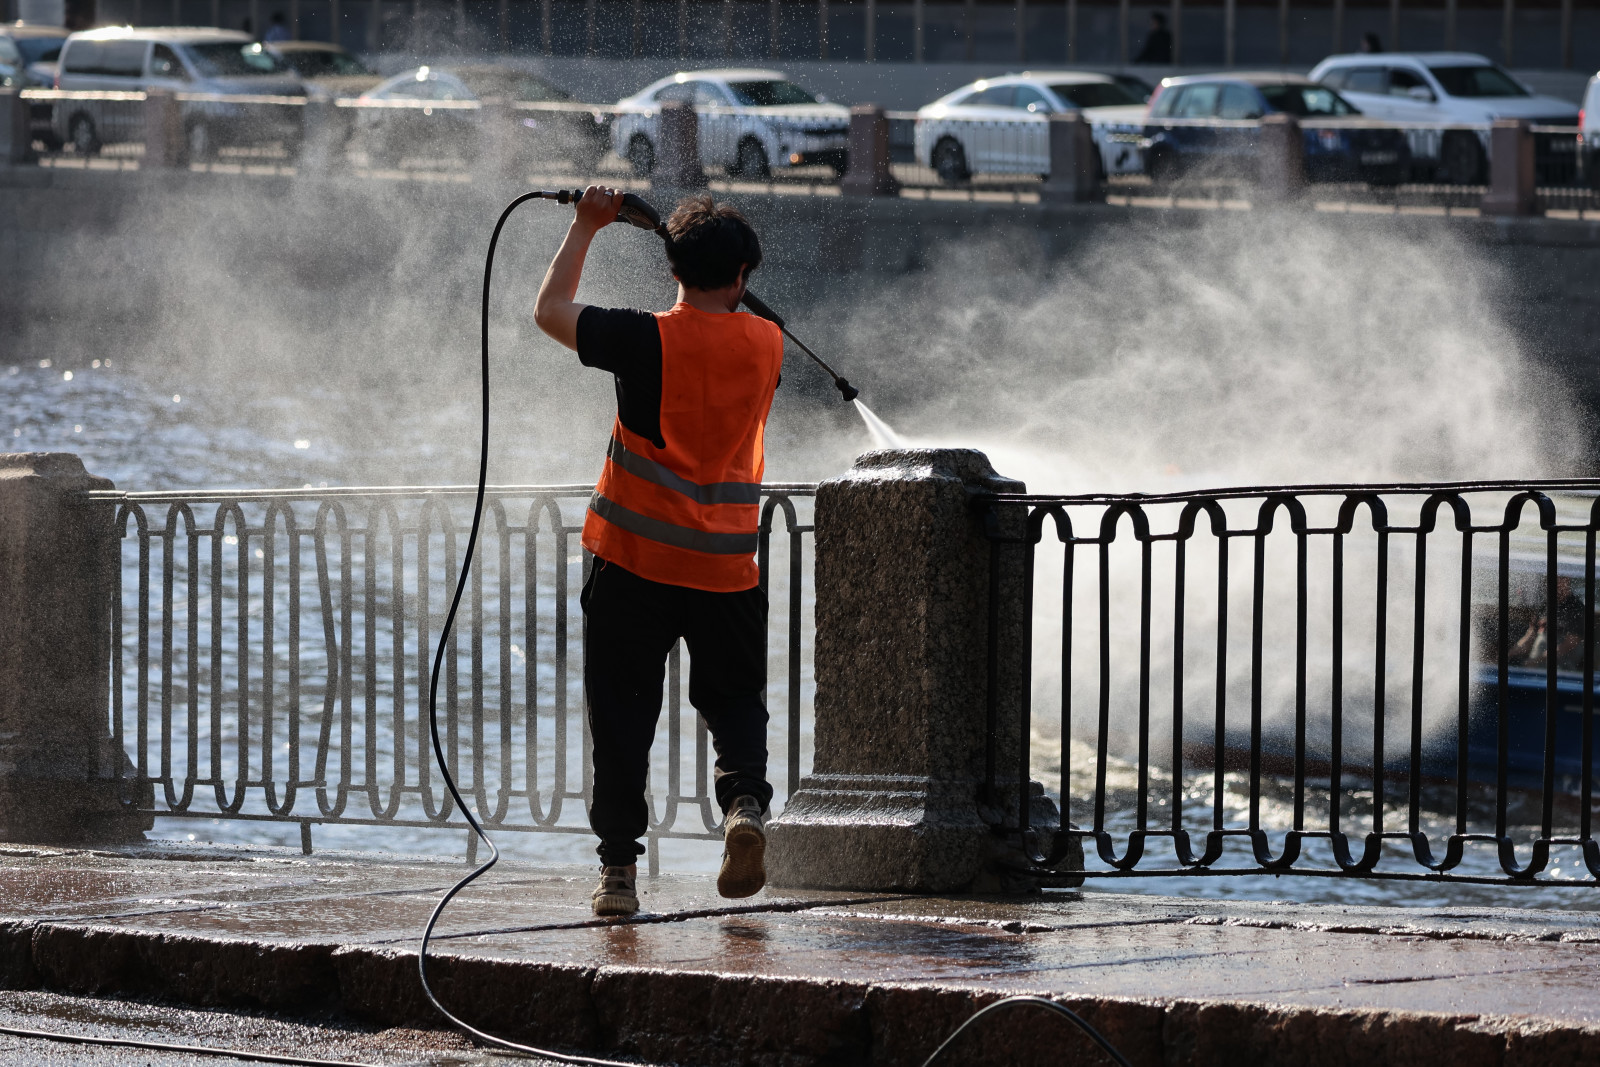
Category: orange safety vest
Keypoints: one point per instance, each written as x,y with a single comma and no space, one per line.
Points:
687,514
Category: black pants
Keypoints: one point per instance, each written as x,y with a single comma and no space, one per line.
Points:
629,626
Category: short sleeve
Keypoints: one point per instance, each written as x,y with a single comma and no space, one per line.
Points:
620,340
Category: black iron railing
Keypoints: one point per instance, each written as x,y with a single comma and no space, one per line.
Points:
271,651
1358,680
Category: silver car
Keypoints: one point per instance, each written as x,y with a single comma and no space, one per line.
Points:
192,61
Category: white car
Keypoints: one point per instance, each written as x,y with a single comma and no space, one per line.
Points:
1443,88
1001,125
751,122
1589,132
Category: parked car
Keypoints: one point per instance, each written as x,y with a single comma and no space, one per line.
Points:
1589,132
579,135
1445,88
751,122
1201,125
326,68
28,51
188,60
1001,125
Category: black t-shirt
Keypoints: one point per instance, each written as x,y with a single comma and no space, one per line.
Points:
628,344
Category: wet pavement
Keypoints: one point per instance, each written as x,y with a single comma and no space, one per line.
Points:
802,977
132,1020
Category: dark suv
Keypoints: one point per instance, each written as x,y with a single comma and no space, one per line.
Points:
1207,126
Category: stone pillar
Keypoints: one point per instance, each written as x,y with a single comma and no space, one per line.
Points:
58,571
678,166
164,145
1281,160
1075,171
1511,169
16,133
499,140
324,134
896,799
869,173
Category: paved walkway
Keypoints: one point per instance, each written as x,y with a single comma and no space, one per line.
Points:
805,978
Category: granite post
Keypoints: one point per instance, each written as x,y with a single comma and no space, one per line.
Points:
1512,171
678,166
897,797
1281,155
1074,176
164,146
500,140
58,571
868,172
16,128
324,135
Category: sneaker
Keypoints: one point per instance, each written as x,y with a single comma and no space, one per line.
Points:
744,847
615,895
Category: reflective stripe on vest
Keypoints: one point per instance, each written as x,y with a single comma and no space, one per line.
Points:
651,471
717,544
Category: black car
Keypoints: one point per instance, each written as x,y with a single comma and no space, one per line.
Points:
565,130
1205,126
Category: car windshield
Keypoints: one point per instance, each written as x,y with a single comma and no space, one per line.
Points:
509,86
39,49
1305,100
315,63
770,94
1477,81
1097,94
230,60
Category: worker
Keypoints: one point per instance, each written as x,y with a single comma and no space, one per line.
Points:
672,527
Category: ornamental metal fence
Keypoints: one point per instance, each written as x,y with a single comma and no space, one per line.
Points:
271,653
1374,681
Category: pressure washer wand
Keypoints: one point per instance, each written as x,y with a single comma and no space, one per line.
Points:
637,211
758,307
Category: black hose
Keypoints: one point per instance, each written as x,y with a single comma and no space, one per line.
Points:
433,691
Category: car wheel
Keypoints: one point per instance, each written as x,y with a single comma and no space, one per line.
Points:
751,160
1461,159
641,155
950,162
85,139
197,139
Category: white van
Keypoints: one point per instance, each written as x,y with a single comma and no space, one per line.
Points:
185,60
1443,88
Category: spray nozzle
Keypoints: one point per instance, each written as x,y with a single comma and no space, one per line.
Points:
635,210
846,390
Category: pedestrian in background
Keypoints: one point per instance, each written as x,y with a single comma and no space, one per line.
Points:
1157,49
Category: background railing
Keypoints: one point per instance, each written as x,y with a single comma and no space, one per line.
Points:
272,649
571,142
1383,681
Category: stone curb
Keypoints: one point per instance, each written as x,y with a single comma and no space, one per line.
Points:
699,1017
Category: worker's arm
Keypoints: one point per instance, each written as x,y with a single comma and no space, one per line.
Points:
556,311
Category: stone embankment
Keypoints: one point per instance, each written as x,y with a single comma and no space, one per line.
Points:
805,977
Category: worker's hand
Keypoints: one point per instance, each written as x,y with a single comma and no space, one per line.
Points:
598,207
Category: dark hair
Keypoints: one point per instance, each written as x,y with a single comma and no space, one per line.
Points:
1158,20
707,243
